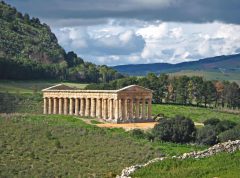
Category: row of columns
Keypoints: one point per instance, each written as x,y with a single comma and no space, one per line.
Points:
103,108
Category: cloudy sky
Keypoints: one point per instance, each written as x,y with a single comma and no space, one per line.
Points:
114,32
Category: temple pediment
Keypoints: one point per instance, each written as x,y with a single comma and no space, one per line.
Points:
135,89
59,87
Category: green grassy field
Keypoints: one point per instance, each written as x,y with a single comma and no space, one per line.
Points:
223,165
65,146
210,75
195,113
11,86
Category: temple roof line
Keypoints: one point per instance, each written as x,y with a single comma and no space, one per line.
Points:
65,88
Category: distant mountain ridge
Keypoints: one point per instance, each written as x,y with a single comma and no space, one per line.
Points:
230,63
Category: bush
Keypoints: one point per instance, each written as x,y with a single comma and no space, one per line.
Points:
178,130
232,134
137,133
212,121
149,136
224,125
206,135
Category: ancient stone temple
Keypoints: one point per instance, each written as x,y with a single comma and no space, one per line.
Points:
129,104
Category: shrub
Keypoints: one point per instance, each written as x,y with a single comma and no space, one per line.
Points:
178,130
206,135
232,134
212,121
137,133
149,136
224,125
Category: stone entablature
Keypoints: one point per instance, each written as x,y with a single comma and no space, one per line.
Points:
129,104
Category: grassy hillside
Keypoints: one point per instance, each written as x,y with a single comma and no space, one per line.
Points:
210,75
65,146
222,165
195,113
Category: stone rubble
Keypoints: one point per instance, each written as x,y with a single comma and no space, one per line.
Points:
229,147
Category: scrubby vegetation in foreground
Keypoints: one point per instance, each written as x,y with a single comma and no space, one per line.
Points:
223,165
64,146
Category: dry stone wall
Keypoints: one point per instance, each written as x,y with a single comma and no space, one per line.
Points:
229,147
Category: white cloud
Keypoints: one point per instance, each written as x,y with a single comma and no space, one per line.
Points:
154,32
147,42
177,32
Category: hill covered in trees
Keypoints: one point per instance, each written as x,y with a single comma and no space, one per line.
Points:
29,50
228,63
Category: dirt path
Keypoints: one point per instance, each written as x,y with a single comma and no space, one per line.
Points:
130,126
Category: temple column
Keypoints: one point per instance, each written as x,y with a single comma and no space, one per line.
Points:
71,106
99,108
150,108
131,108
116,109
87,109
45,109
76,106
54,105
110,109
105,108
49,105
126,109
120,109
65,106
123,103
143,116
93,107
137,108
60,106
82,107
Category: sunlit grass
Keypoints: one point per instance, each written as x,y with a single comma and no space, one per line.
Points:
195,113
65,146
224,165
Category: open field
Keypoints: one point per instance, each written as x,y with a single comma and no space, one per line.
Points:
11,86
223,165
65,146
195,113
210,75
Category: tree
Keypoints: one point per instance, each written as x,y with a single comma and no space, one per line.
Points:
72,59
224,125
178,130
219,93
232,95
206,135
232,134
209,93
197,83
26,18
182,90
161,93
212,122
